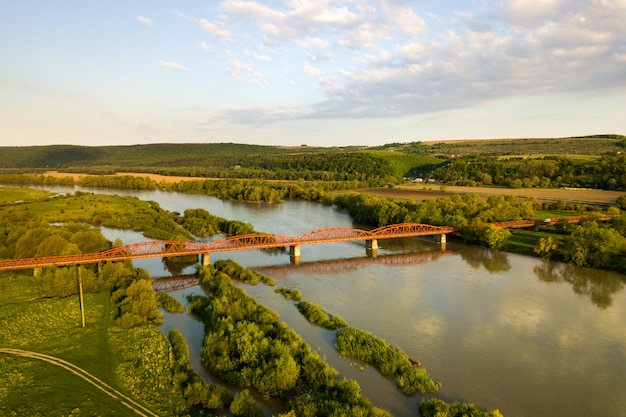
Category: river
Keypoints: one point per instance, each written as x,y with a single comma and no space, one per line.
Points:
528,337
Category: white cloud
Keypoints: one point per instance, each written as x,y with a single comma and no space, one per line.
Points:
317,49
245,71
173,65
527,11
388,57
218,30
205,47
258,56
145,20
366,36
405,17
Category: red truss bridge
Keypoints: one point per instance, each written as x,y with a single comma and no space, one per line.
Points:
166,248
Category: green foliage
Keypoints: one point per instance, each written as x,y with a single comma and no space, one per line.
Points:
246,345
196,390
370,349
243,405
78,211
316,315
621,202
495,237
593,245
435,407
137,304
289,294
546,247
240,273
169,303
603,172
454,211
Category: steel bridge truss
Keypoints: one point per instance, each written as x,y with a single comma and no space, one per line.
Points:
164,248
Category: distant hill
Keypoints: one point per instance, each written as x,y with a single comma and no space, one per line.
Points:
583,145
446,161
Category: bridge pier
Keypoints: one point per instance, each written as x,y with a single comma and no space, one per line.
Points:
371,247
205,259
442,240
294,254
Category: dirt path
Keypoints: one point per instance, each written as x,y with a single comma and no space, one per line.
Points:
102,386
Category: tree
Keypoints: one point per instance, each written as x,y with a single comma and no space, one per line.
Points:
495,237
244,405
546,247
592,245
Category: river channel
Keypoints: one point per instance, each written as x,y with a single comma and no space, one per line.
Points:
528,337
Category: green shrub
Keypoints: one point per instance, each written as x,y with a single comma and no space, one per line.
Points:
362,345
316,315
169,303
289,294
438,408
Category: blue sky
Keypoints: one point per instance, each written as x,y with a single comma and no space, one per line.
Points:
326,72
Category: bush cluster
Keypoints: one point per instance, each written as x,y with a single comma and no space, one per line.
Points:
362,345
196,390
289,294
247,345
316,315
438,408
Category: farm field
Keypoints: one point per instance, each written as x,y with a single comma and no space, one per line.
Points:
420,192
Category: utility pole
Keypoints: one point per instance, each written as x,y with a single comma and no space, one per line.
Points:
80,292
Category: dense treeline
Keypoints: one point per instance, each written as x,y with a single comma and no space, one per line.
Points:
248,346
607,173
201,223
454,211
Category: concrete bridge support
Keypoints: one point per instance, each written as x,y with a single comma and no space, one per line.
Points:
294,254
442,240
205,259
371,247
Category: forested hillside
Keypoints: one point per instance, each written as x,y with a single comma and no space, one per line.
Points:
588,162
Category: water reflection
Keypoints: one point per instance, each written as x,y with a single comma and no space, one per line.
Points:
341,266
598,285
175,265
492,260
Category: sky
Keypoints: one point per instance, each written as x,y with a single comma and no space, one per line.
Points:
314,72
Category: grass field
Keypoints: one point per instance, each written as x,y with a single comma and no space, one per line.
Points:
135,362
13,194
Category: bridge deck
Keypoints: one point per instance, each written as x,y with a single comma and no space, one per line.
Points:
248,242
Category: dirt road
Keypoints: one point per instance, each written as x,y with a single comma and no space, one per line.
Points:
81,373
